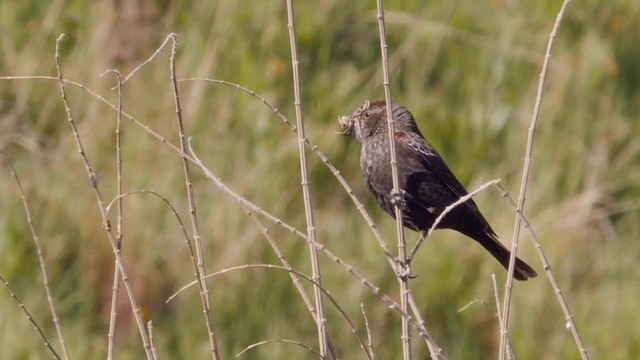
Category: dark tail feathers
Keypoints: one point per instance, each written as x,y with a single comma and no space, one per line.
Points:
490,242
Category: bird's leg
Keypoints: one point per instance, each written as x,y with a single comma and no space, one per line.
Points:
399,198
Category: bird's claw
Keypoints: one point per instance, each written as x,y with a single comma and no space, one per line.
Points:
403,270
399,199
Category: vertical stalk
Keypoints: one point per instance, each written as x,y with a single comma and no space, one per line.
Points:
506,306
308,209
402,272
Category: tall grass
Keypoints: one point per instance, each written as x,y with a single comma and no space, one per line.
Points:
468,72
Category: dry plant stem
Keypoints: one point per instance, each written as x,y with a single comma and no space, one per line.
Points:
165,42
116,272
434,350
497,300
47,343
43,265
153,346
506,306
301,275
306,194
568,316
94,185
366,325
447,210
323,158
284,341
197,239
403,270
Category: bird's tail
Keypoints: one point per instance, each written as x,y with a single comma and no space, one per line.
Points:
490,242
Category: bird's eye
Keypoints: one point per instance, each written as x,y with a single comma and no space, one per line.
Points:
367,114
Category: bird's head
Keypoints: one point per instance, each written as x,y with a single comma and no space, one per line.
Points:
370,120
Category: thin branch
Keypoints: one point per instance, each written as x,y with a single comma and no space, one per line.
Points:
496,295
116,271
447,210
105,221
306,194
43,264
47,343
568,316
197,239
506,306
434,350
150,330
285,341
403,270
369,337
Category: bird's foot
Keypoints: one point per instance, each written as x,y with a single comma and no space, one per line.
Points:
399,198
403,270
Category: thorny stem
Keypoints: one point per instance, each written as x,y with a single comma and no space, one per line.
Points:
308,209
403,271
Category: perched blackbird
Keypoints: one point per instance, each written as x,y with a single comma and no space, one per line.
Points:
427,186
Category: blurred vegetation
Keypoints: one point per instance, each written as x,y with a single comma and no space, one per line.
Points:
467,70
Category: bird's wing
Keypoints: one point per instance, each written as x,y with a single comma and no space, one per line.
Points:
415,144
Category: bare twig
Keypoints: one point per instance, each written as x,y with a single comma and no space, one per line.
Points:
369,337
116,271
150,330
158,50
197,239
568,316
506,306
284,341
497,300
306,194
434,349
43,264
105,221
447,210
47,343
403,270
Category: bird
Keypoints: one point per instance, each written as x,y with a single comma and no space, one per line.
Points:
427,185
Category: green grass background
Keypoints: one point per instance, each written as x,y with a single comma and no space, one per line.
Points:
467,70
